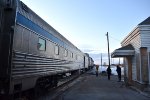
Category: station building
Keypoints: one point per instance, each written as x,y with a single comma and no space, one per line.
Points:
135,51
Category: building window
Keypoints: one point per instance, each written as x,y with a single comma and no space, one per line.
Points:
57,50
66,53
41,44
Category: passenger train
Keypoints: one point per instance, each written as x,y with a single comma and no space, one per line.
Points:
32,52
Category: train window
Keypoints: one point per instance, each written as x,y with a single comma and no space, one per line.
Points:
66,53
41,44
57,50
72,55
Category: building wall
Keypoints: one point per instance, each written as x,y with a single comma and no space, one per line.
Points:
125,67
144,64
134,38
140,40
134,74
145,42
138,67
145,36
149,66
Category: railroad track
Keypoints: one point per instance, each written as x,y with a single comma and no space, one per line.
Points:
49,93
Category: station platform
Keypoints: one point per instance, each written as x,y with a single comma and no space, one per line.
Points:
90,87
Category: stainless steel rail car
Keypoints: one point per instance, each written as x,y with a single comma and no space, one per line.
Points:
31,51
90,61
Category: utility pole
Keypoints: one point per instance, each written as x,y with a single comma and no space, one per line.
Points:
108,49
101,59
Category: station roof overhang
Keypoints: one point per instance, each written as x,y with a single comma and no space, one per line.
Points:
125,51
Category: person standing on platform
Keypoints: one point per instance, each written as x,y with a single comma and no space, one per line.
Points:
108,72
97,67
119,73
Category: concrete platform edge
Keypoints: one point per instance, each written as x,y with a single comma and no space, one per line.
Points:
139,91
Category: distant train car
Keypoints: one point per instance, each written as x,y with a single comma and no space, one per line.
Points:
89,62
86,60
31,51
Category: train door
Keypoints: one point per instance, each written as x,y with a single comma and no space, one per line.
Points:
0,26
2,43
7,21
0,18
84,62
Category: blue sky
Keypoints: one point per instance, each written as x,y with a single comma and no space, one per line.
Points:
85,22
